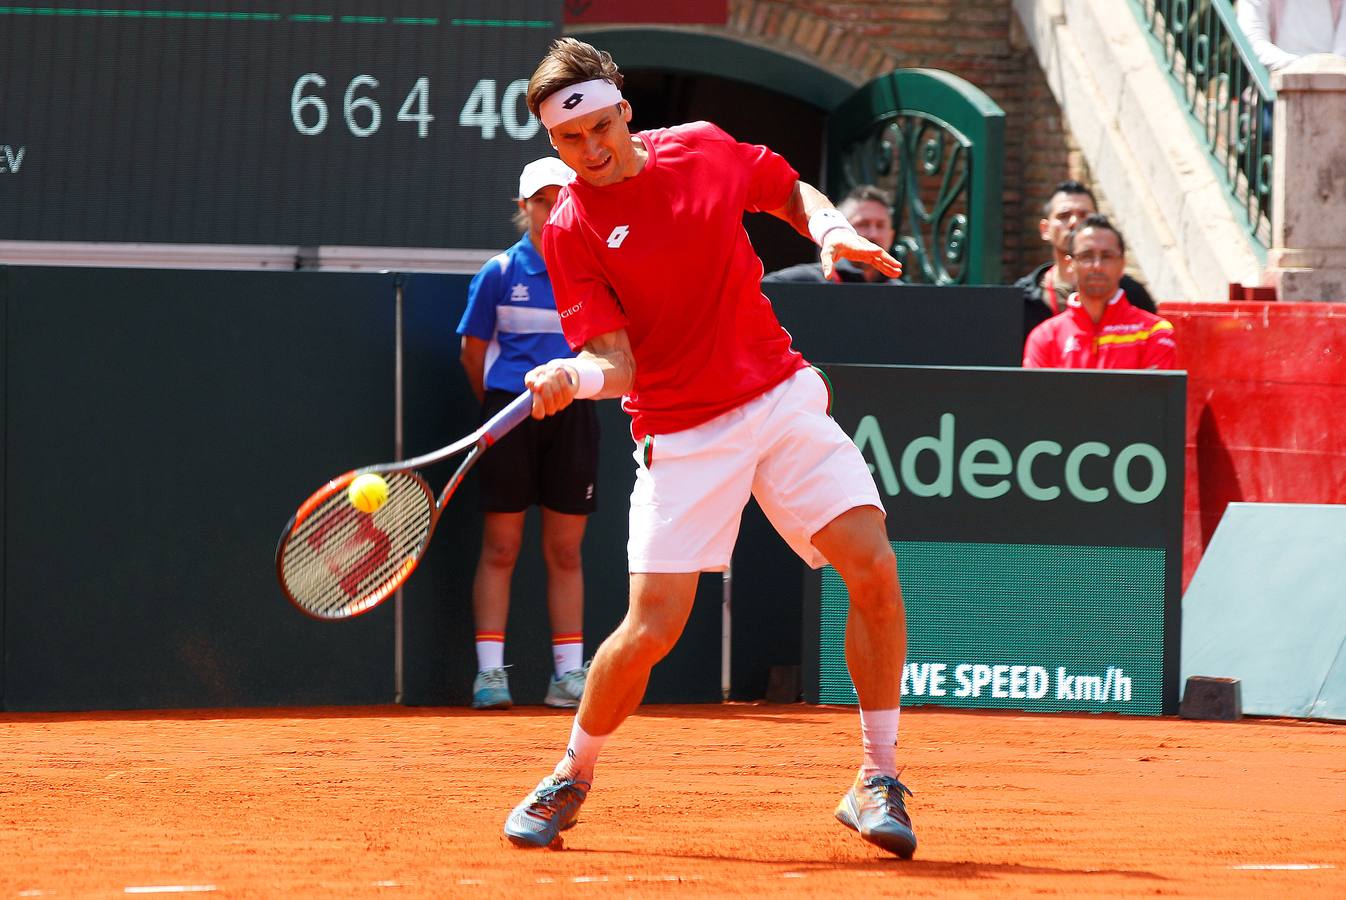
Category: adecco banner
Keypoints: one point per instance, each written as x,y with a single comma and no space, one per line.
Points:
1037,520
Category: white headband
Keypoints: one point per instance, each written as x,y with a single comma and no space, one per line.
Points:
578,100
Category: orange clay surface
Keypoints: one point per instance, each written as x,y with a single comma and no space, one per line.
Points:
700,801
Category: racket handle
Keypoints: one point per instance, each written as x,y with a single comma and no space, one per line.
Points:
503,422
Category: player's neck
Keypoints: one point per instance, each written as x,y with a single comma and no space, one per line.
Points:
635,164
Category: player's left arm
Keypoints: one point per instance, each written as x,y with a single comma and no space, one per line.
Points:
832,232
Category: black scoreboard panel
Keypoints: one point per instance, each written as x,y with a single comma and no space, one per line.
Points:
380,123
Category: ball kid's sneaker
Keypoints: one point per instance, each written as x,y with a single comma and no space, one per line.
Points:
874,807
490,690
552,807
565,692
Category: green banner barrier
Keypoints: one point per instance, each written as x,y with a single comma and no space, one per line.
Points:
1036,518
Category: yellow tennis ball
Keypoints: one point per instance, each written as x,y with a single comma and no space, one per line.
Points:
367,492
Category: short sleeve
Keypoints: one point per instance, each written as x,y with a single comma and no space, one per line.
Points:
586,303
483,294
771,180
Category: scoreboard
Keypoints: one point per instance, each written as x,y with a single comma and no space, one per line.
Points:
366,123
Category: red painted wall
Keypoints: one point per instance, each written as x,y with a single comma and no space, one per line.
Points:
1266,408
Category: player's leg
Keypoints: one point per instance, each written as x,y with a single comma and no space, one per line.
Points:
856,544
691,487
816,489
562,535
660,605
502,534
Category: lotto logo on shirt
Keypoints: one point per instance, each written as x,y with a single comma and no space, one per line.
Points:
618,235
519,293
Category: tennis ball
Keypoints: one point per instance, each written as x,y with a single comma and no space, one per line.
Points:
367,492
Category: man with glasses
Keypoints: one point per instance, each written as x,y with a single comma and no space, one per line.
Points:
1046,288
1100,328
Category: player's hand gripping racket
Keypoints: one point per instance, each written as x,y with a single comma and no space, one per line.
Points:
335,561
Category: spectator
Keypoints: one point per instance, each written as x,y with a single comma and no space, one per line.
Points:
869,209
1281,31
510,326
1100,328
1046,288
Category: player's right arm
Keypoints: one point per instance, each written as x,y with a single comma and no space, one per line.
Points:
554,384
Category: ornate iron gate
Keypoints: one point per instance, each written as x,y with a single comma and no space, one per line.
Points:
936,144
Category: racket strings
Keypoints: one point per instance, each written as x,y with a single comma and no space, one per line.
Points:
339,561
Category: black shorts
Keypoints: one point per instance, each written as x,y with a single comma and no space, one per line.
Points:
551,462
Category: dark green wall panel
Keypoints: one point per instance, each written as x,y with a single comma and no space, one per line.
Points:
160,429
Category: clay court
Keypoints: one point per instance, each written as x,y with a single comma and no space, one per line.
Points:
729,800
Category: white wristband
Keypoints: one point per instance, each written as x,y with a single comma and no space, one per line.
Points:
589,372
823,221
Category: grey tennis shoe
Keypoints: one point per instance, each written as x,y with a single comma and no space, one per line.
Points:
875,808
552,807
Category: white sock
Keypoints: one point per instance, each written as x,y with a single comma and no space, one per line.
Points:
567,654
490,653
581,754
878,728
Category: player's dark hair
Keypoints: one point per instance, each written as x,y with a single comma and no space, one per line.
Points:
1067,187
569,61
862,192
1095,220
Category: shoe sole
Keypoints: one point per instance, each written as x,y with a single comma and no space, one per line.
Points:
562,704
527,843
505,705
903,848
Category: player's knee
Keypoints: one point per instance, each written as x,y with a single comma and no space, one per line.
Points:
871,577
647,643
873,562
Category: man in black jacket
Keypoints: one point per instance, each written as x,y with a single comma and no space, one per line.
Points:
1046,288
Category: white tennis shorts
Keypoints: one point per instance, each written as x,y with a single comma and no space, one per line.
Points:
783,448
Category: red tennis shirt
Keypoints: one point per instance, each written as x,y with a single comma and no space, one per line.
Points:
1125,338
664,255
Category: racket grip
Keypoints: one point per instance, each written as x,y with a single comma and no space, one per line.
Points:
503,422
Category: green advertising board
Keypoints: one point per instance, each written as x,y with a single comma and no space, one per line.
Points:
1036,518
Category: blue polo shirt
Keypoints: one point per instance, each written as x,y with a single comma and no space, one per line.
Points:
510,305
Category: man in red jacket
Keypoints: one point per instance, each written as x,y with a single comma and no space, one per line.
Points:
1099,328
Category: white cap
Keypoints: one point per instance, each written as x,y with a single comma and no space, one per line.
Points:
543,172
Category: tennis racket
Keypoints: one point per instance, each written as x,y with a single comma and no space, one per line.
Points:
334,561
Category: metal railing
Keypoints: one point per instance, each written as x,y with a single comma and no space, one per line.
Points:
1226,90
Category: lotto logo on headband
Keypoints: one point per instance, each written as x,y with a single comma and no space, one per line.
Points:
584,98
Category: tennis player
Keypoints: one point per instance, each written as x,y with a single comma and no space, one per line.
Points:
659,288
